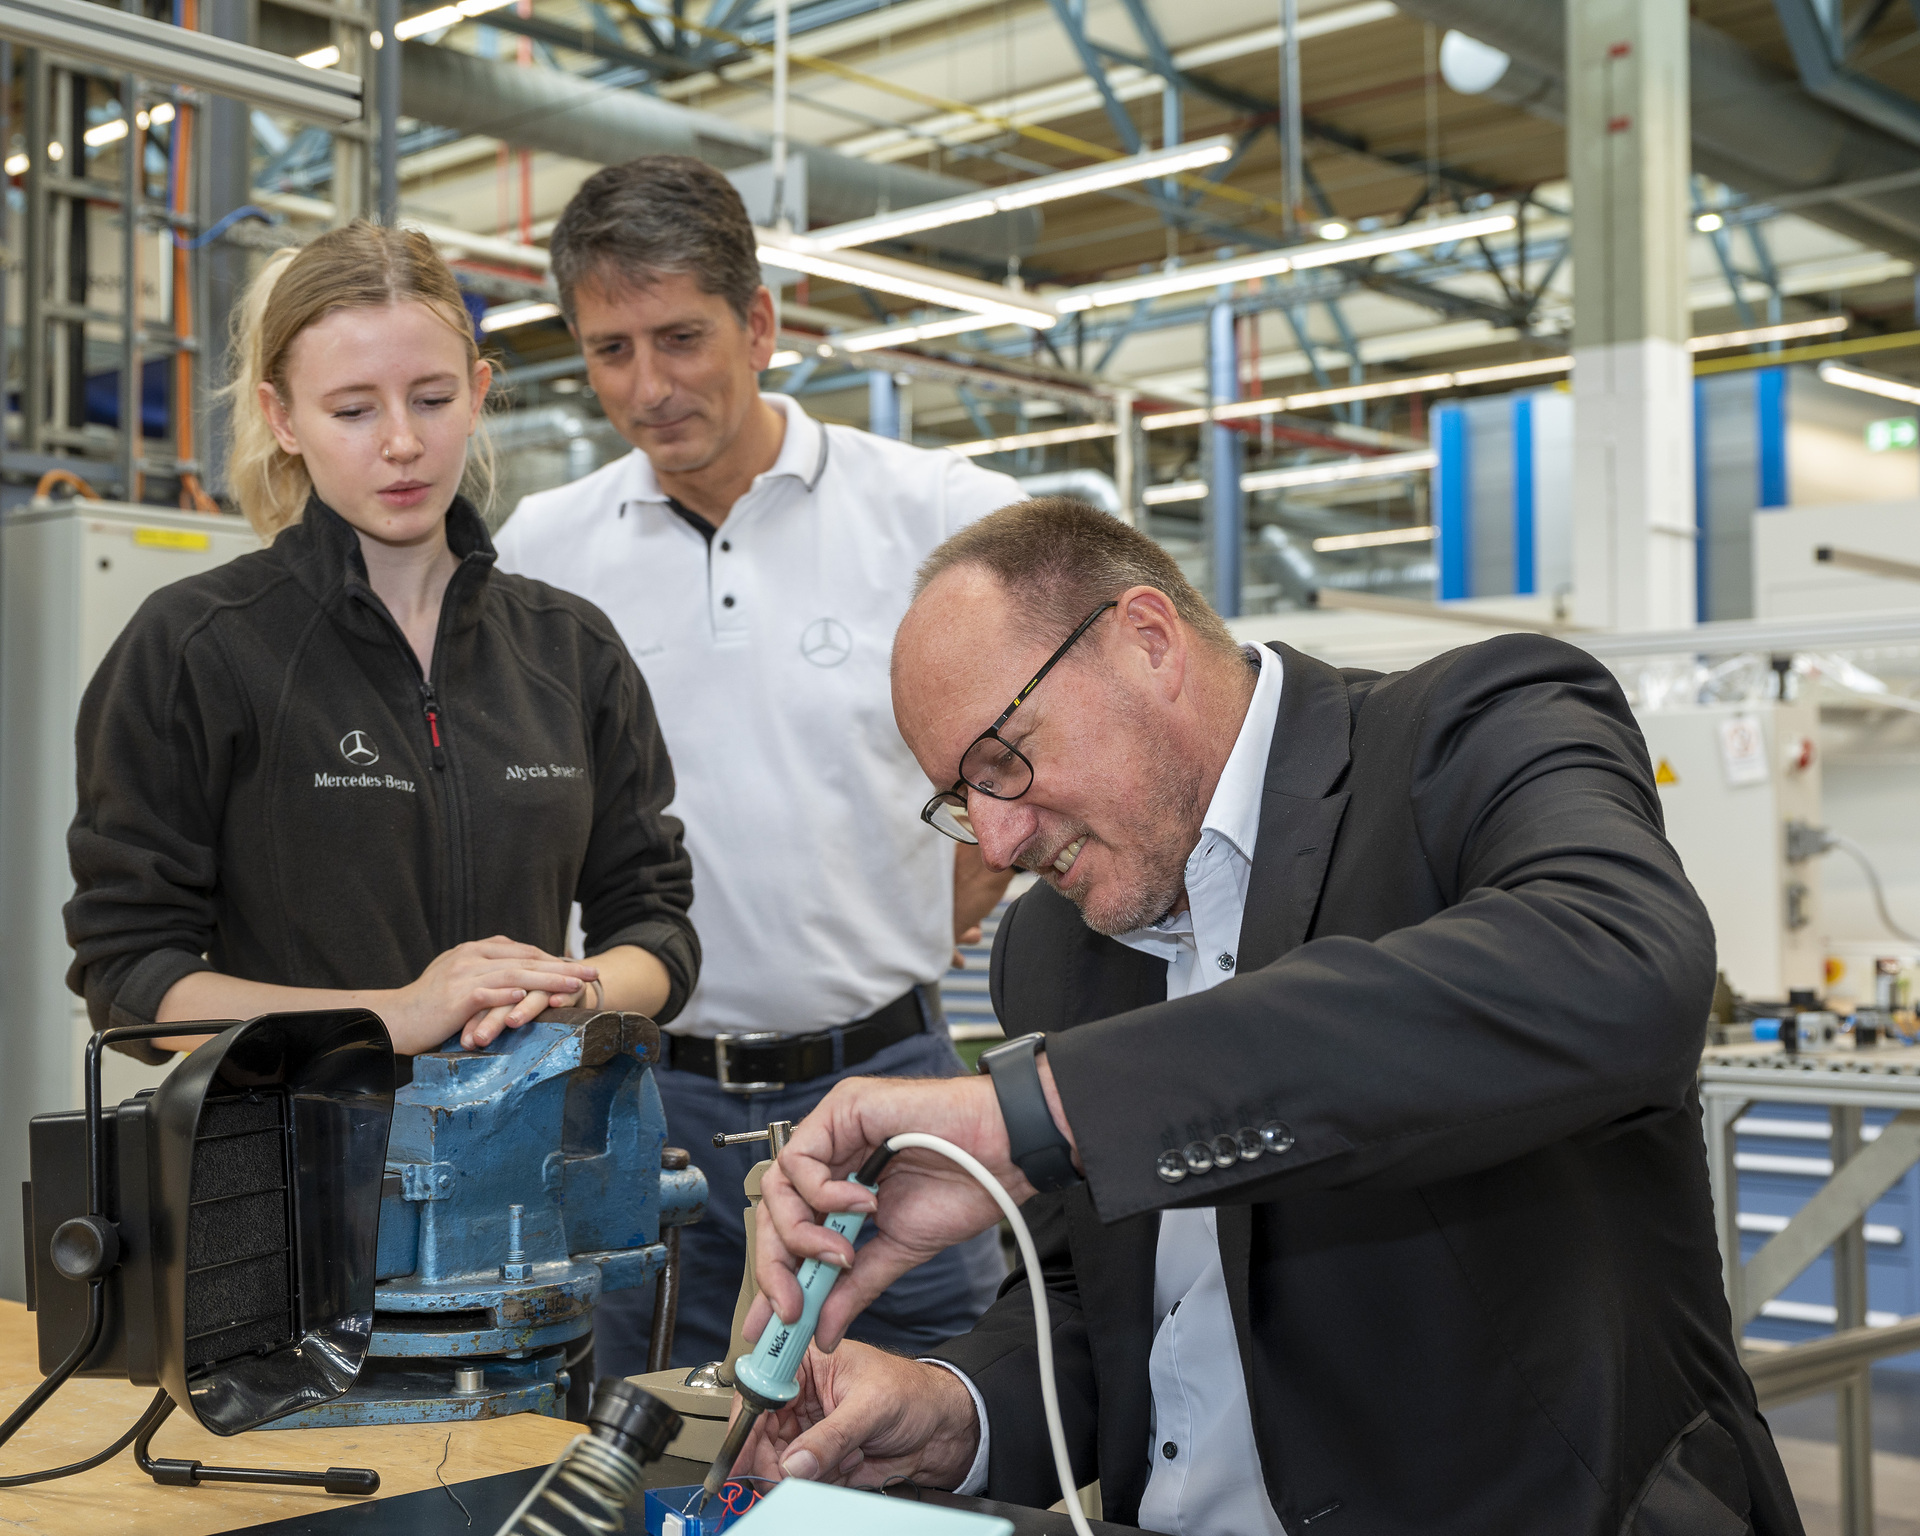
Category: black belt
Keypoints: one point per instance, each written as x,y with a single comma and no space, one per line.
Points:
765,1062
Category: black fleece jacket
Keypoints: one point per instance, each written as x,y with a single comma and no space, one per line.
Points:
270,788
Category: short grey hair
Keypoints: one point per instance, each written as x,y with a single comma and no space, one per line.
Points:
1060,558
656,215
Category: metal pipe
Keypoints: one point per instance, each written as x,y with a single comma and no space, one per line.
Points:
1090,485
387,99
883,404
779,216
551,110
1781,1376
1226,507
1292,194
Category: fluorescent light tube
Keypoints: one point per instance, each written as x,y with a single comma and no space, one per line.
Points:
509,316
1345,469
1306,474
1294,258
1024,194
1869,383
901,335
1372,540
1081,434
906,280
1826,325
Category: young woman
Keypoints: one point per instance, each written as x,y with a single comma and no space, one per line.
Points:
361,768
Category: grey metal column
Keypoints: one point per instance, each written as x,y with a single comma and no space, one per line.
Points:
1853,1400
883,404
34,277
1226,511
1290,112
387,104
1721,1115
132,365
223,154
1629,158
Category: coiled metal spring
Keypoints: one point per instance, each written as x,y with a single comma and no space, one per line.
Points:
591,1485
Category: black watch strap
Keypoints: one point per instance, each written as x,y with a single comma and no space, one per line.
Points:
1035,1142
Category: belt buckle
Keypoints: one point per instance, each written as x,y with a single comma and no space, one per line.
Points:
722,1066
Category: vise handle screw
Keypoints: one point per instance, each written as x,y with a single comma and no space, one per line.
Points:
775,1136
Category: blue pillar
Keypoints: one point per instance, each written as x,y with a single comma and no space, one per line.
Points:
1770,401
883,404
1226,511
1523,514
1452,504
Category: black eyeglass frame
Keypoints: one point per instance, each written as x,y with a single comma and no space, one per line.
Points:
956,797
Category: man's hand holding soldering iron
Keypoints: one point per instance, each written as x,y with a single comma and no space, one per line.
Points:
863,1415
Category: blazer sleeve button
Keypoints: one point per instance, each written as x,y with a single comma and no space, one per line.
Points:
1226,1151
1249,1143
1171,1166
1276,1136
1199,1157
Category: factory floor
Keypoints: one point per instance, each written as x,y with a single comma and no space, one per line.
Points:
1804,1432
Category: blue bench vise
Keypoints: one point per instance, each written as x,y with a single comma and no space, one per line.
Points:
522,1182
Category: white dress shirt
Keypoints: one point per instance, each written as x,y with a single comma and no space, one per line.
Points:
819,896
1205,1478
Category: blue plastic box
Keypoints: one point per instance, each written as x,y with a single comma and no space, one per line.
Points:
665,1517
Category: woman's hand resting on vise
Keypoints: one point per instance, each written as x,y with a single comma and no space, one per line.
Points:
480,989
474,990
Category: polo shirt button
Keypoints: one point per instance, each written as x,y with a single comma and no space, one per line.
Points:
727,601
1169,1450
1199,1157
725,547
1250,1144
1226,1151
1276,1136
1171,1166
1224,961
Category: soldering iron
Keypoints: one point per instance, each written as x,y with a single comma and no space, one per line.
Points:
768,1376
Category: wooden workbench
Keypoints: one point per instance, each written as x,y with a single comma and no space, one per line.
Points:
89,1414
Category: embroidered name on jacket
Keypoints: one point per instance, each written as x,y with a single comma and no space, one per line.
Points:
544,771
361,781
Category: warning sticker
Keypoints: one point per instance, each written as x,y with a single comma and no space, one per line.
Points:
1664,774
171,538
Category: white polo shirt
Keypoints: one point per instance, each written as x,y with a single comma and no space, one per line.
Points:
819,894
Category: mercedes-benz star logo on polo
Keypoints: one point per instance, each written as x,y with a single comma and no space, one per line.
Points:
826,642
357,748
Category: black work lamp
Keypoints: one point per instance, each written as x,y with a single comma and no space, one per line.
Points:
215,1236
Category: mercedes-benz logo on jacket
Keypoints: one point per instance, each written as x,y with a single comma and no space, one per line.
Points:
357,748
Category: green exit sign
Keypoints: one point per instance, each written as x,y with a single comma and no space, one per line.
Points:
1894,432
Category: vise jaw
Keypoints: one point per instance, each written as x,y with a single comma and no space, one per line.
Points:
522,1182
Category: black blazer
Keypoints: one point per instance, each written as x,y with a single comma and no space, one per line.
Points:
1480,1291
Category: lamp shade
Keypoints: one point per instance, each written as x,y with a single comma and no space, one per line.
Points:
244,1198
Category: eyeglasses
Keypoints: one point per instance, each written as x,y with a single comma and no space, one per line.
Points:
992,765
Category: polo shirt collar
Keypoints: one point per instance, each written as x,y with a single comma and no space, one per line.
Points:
803,455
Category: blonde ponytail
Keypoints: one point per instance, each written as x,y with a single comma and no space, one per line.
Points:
359,266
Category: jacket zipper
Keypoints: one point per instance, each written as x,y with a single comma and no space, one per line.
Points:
430,704
456,914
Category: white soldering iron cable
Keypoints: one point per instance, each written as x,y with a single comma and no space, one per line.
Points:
1036,1286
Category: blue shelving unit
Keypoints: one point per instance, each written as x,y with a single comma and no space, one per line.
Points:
1783,1156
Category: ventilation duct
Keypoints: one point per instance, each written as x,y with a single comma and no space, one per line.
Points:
563,114
1753,128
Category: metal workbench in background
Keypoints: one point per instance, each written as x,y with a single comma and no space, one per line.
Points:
1871,1100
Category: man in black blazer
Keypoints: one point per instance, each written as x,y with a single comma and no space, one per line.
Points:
1443,1108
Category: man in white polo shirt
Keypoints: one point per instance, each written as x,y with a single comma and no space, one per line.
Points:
757,562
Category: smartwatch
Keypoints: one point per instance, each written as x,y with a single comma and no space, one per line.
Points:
1035,1142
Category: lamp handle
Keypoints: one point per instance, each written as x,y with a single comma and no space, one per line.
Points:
172,1472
